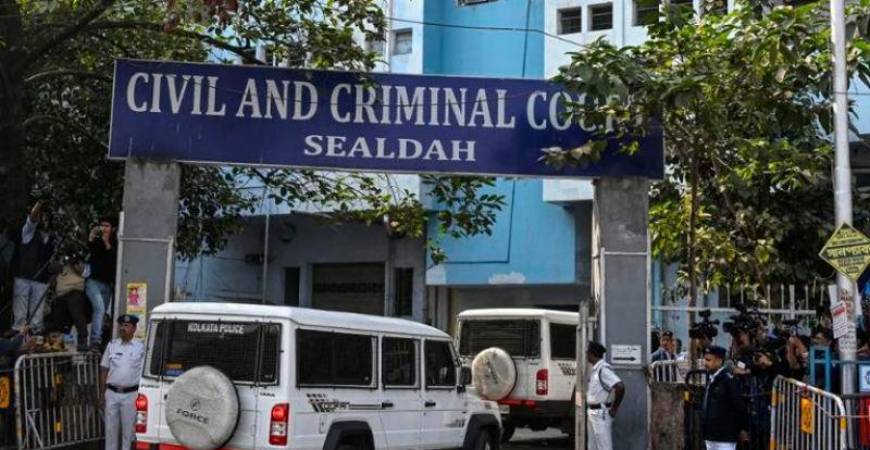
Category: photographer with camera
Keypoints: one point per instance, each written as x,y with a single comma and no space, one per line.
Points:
99,287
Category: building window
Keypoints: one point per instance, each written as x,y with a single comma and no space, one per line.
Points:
601,17
570,21
403,281
376,44
719,7
646,12
473,2
684,6
402,40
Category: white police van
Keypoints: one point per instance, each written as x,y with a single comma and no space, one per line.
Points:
251,377
525,359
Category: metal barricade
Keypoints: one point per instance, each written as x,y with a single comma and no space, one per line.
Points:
672,371
7,411
806,418
756,392
665,372
696,382
56,400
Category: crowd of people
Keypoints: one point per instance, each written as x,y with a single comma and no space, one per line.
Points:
757,353
55,296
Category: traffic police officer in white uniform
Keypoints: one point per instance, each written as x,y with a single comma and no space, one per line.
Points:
119,379
604,394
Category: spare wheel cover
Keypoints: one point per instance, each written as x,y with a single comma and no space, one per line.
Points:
202,408
493,374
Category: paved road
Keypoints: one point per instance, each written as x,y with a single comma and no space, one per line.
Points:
526,440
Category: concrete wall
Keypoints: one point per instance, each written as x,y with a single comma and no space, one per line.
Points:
624,32
450,50
412,11
294,241
532,242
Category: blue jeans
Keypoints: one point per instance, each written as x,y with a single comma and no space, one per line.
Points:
100,295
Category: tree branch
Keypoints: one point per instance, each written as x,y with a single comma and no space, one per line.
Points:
243,52
71,73
66,123
64,34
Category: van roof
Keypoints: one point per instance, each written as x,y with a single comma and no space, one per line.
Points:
491,313
302,316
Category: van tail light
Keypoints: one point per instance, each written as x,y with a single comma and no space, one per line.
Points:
542,382
278,424
141,413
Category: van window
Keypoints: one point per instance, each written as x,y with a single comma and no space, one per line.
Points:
517,337
399,362
563,341
334,359
440,367
245,352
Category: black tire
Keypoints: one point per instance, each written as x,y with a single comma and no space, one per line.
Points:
484,441
355,443
507,431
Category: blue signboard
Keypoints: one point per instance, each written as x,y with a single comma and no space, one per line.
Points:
267,116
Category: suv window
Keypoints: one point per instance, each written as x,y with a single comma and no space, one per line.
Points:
517,337
244,351
334,359
399,362
563,341
440,367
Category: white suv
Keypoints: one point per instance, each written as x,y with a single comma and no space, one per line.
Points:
526,360
252,377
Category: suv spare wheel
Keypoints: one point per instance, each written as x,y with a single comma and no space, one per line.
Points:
493,374
202,408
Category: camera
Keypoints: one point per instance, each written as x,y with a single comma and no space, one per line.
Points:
745,321
706,328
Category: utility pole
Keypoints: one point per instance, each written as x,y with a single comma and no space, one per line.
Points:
580,381
842,176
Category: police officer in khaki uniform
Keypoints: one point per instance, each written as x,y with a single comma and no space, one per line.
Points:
604,394
119,381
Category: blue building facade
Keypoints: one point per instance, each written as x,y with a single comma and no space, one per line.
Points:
538,253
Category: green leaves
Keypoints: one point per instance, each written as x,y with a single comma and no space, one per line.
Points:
68,88
743,98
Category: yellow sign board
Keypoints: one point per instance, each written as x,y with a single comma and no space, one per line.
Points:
5,393
807,419
848,251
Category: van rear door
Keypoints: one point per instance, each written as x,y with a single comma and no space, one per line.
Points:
245,351
519,337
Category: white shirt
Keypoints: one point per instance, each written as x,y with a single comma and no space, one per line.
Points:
601,382
124,361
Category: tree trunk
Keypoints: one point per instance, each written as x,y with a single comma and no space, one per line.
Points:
692,266
14,180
